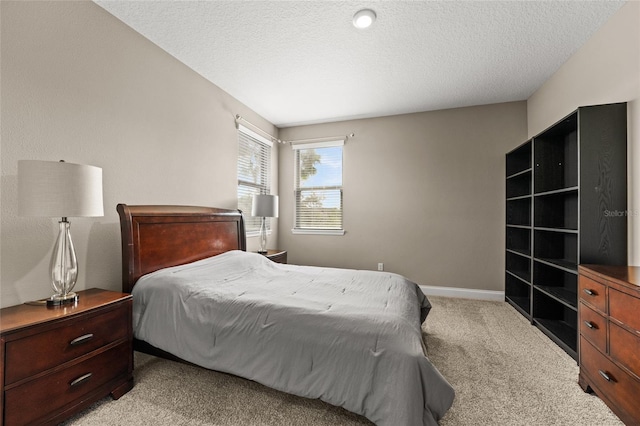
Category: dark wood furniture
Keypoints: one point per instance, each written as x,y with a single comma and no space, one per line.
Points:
278,256
566,201
156,237
610,337
57,361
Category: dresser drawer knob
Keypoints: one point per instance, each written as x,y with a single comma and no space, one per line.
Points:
82,339
590,324
80,380
589,292
606,376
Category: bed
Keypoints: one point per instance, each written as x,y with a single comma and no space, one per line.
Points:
350,338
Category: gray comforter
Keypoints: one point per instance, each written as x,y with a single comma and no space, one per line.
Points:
350,338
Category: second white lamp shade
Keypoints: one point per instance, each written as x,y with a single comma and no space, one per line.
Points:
264,205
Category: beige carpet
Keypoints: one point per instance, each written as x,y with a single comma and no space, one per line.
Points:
504,371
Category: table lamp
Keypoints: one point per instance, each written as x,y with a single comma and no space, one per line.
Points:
264,206
59,189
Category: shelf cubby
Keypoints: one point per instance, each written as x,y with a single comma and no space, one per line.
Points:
519,159
519,185
556,320
519,240
556,283
557,210
519,266
519,212
518,293
556,157
556,248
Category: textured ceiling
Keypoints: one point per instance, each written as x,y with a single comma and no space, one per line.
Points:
299,62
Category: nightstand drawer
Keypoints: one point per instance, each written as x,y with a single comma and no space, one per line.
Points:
620,388
593,326
593,293
625,348
54,390
71,339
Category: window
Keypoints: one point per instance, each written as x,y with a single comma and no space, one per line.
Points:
254,174
318,188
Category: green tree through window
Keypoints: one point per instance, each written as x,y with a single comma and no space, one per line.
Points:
318,188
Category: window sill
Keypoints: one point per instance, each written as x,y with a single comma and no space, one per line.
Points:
318,231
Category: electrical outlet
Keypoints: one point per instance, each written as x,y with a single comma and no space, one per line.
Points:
380,266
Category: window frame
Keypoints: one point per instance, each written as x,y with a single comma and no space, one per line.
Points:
296,147
252,225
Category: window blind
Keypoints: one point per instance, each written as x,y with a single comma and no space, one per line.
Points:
254,174
318,186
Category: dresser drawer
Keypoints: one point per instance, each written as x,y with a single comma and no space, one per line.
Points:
593,293
71,339
624,347
621,390
593,326
57,389
624,308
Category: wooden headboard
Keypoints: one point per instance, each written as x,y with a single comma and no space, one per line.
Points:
156,237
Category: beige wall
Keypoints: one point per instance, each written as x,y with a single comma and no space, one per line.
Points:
77,84
605,70
80,85
423,193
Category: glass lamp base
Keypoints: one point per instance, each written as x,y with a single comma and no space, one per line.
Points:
60,299
263,236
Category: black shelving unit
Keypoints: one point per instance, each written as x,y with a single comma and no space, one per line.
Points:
565,189
519,244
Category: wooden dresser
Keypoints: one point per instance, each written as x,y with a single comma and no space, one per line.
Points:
609,315
56,361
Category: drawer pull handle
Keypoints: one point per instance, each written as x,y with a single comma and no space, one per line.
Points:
589,292
607,377
589,324
81,339
80,380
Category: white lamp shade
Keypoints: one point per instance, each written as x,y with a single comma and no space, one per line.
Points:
264,205
59,189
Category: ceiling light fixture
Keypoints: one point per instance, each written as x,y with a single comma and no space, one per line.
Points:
364,18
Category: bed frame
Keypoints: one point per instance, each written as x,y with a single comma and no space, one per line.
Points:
156,237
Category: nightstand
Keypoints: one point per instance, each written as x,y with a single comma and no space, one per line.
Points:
57,361
278,256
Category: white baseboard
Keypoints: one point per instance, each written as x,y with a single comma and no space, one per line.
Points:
463,293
